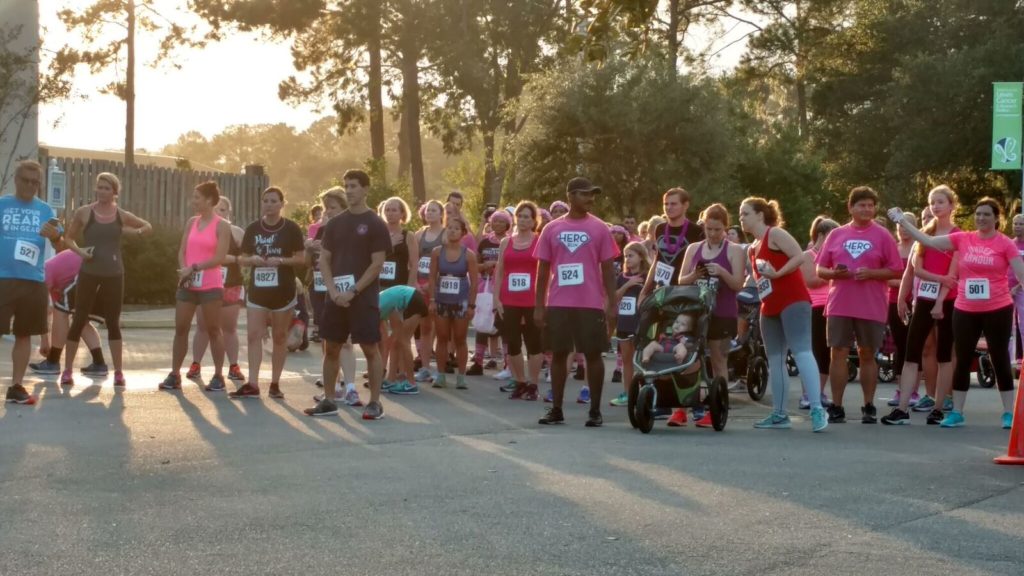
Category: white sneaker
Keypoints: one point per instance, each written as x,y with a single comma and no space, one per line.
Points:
547,376
503,375
352,398
423,375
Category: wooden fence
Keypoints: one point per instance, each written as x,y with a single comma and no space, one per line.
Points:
160,195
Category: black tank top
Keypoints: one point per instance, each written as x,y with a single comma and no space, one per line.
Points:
399,256
234,277
105,240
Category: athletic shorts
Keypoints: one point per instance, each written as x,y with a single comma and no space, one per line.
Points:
26,303
453,311
582,329
624,335
64,301
234,296
287,307
199,297
721,328
841,330
417,307
359,322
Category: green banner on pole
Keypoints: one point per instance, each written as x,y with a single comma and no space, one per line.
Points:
1006,125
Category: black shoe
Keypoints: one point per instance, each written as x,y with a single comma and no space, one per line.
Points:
475,370
896,417
595,420
17,394
510,386
491,365
617,376
868,414
935,416
553,416
579,372
836,415
323,408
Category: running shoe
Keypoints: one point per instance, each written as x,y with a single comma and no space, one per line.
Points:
505,374
819,419
386,385
935,416
509,386
550,396
594,420
954,419
914,399
491,365
475,370
119,379
580,373
460,382
547,376
1007,420
518,391
66,379
246,391
704,422
193,370
45,367
868,414
895,400
698,412
897,417
947,404
95,370
552,416
774,422
172,382
678,418
925,404
584,397
661,413
235,373
339,396
352,399
373,411
275,391
805,403
836,414
825,401
617,376
404,388
216,384
440,381
322,408
423,375
621,400
16,394
531,394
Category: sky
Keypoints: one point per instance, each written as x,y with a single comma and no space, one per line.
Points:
230,82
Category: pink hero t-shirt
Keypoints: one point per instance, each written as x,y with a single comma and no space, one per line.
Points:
982,285
575,248
869,247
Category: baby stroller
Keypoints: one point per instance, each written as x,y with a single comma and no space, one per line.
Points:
751,358
663,383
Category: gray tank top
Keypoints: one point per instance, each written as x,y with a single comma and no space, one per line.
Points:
426,247
452,279
105,240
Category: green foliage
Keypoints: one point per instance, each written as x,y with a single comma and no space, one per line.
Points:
150,267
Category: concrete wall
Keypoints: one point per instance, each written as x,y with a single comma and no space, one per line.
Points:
20,138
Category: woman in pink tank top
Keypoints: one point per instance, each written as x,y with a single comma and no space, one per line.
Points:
818,289
200,283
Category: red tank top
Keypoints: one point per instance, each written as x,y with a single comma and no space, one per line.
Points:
519,285
785,290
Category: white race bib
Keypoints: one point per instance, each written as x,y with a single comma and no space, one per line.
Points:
424,266
928,290
318,282
197,278
265,277
977,289
387,272
26,252
663,274
570,274
345,283
627,306
518,282
764,288
450,285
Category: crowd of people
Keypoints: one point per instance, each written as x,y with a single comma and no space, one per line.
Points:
547,292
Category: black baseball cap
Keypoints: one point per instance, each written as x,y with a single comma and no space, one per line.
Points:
581,184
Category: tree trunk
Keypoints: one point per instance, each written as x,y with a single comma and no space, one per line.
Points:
801,79
672,34
375,87
411,102
129,97
493,177
403,146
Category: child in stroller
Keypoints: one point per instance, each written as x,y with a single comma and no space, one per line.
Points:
679,341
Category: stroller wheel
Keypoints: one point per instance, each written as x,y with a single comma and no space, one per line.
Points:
851,368
644,412
632,394
791,368
718,403
757,377
986,371
886,370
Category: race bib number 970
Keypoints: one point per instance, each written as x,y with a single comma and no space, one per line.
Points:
570,274
663,274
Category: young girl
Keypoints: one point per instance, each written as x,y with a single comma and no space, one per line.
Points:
637,262
453,283
401,309
427,239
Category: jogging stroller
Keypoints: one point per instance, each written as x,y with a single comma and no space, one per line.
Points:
663,382
751,358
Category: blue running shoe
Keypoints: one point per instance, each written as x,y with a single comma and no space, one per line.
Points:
216,384
1007,420
775,422
819,419
698,412
952,420
404,388
584,397
925,404
947,404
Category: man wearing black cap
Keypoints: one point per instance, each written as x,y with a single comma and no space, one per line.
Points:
575,294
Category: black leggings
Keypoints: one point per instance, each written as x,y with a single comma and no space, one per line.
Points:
921,324
899,337
819,344
968,327
517,326
109,292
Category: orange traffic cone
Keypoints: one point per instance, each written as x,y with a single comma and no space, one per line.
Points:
1015,451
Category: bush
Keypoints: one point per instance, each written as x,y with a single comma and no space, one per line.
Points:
151,264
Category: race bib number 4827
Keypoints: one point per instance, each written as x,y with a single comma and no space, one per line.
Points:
264,277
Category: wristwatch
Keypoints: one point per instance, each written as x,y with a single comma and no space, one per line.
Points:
355,291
